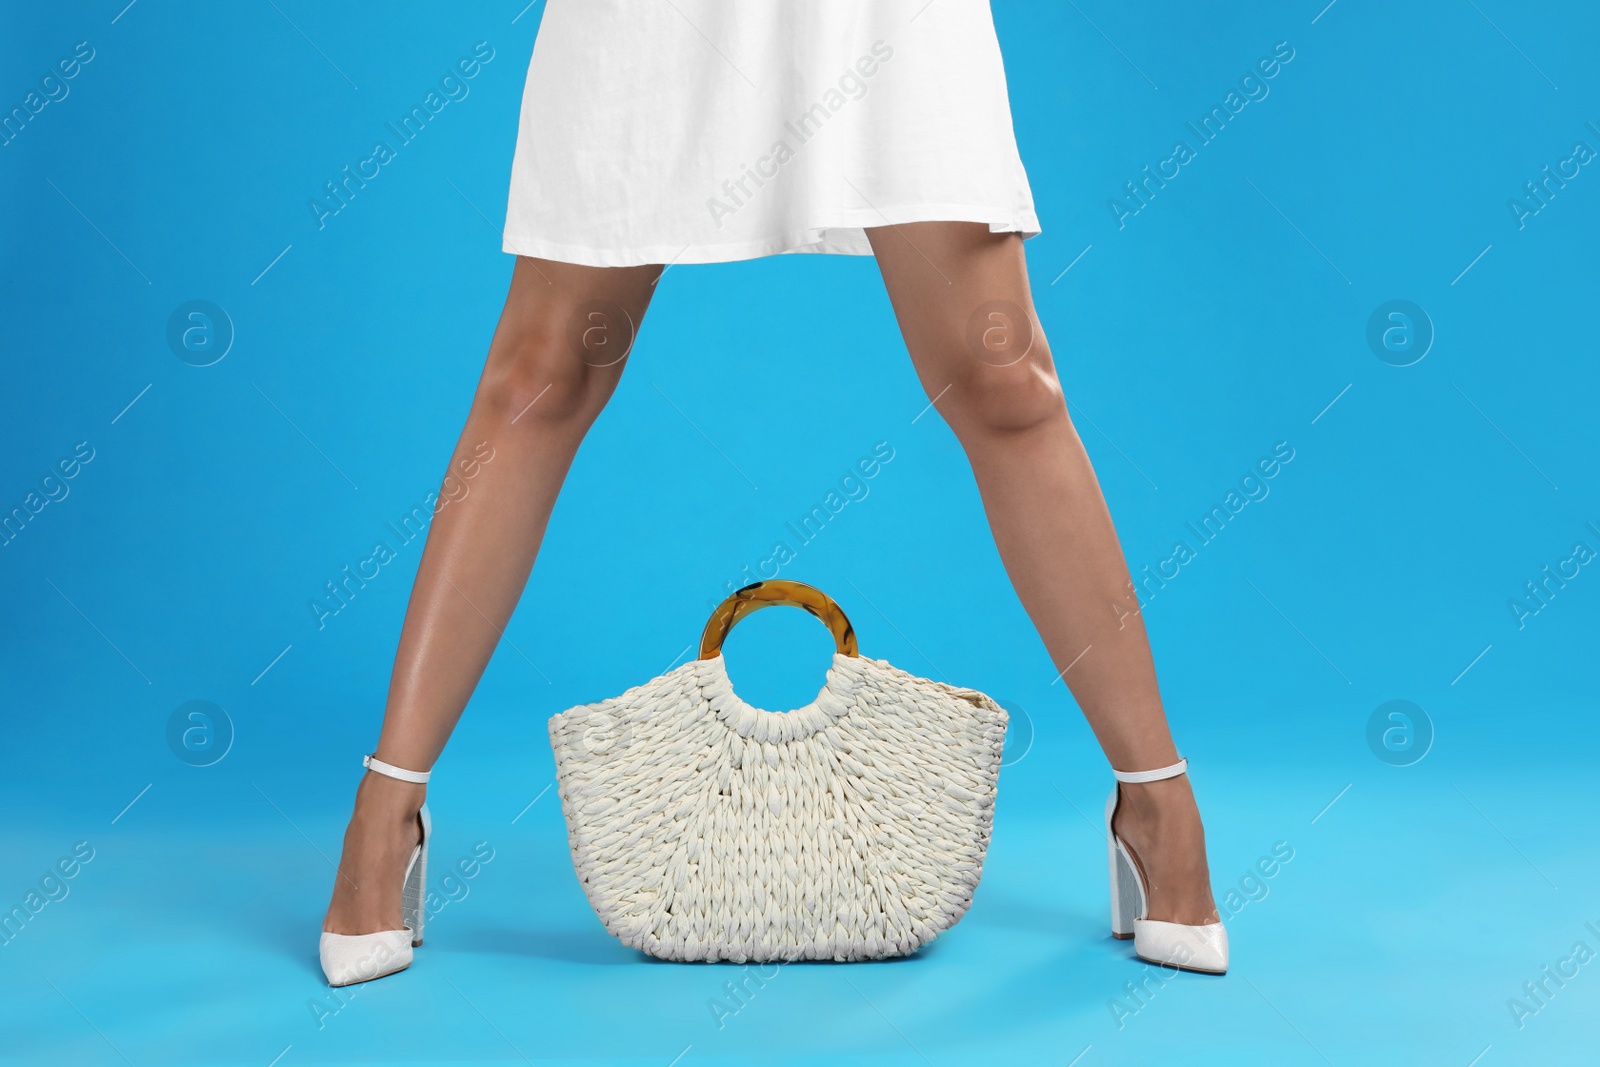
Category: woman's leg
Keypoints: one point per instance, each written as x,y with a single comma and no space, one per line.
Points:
556,356
962,299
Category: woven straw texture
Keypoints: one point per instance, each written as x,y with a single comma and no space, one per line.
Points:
852,828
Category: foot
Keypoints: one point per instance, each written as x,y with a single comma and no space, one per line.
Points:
1160,824
384,830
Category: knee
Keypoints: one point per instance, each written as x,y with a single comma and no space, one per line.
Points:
536,374
984,398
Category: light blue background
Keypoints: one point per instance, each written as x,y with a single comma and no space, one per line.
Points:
1226,316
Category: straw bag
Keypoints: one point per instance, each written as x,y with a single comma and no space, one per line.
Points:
852,828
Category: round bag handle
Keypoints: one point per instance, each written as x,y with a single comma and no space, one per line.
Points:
771,593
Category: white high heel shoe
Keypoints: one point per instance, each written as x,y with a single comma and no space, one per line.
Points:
351,958
1189,948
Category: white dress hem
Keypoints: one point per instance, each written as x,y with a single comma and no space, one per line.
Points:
844,235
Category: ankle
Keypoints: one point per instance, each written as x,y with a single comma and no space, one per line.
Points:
1156,801
386,800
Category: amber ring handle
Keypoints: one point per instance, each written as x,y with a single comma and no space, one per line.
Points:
768,594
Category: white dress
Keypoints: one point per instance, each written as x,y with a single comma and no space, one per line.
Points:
702,131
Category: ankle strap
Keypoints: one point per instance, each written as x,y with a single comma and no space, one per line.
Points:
376,764
1152,776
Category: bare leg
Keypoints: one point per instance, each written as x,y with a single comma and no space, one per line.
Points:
1049,520
556,357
